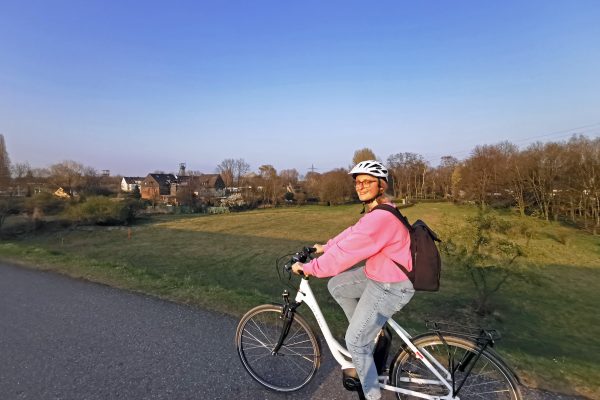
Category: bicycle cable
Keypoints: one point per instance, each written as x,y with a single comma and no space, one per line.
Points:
280,270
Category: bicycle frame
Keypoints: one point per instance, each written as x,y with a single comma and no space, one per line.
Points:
343,357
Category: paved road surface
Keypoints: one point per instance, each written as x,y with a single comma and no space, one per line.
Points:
62,338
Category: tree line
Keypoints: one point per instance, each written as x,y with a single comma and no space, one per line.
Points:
551,180
72,176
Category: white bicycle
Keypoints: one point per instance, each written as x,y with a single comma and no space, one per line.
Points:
280,350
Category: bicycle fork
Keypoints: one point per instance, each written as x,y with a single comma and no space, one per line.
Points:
351,381
287,315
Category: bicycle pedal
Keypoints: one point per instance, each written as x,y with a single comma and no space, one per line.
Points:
350,380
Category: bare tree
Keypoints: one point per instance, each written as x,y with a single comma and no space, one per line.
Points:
554,180
477,174
22,176
363,155
486,171
506,164
91,182
395,166
240,169
409,171
590,178
21,170
457,182
547,167
270,183
582,189
336,187
4,166
312,181
226,169
68,175
289,176
517,180
185,196
445,171
41,173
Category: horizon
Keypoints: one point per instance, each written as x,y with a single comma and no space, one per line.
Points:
255,171
128,89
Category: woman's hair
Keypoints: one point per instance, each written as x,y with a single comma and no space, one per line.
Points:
384,196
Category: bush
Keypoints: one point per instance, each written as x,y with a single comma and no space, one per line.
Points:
98,191
8,206
46,203
489,256
104,211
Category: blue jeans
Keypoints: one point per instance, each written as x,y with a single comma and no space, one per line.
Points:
368,304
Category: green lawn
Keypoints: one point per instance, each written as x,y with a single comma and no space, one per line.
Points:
550,325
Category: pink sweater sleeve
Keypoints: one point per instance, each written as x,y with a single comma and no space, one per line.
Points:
337,238
357,243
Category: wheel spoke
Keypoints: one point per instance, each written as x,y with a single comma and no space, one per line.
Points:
296,361
487,378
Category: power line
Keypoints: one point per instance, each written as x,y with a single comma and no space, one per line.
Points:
561,134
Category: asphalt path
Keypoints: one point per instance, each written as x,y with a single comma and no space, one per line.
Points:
63,338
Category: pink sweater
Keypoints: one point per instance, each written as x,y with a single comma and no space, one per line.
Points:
379,237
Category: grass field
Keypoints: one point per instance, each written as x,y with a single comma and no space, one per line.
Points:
550,325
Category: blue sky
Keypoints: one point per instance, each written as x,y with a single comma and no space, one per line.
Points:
138,86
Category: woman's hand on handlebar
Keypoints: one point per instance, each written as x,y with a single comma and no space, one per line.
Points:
298,268
319,248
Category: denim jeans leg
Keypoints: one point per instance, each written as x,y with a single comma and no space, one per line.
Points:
347,288
379,301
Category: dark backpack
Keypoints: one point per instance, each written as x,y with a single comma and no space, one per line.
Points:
427,264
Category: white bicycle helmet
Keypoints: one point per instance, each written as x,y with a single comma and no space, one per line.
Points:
370,167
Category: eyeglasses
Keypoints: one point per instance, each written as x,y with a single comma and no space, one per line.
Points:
365,183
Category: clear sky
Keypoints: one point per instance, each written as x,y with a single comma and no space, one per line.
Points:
138,86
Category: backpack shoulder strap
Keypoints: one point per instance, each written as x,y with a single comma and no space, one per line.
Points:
404,221
397,213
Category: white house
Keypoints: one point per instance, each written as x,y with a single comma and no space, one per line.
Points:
128,183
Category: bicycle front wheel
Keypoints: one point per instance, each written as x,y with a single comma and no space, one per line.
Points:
488,378
295,363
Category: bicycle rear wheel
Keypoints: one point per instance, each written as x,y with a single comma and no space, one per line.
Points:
489,377
296,362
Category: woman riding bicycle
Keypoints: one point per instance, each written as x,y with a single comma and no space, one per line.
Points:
371,294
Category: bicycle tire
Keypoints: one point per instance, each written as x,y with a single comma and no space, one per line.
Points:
296,362
490,378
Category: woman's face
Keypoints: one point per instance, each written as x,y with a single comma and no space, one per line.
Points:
366,187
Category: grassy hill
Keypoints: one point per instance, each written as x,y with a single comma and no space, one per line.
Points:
550,323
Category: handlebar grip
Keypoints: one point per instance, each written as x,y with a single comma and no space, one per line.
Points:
288,268
300,256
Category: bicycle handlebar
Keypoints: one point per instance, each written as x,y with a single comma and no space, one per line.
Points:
300,256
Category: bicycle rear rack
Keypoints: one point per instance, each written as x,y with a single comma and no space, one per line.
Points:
482,337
